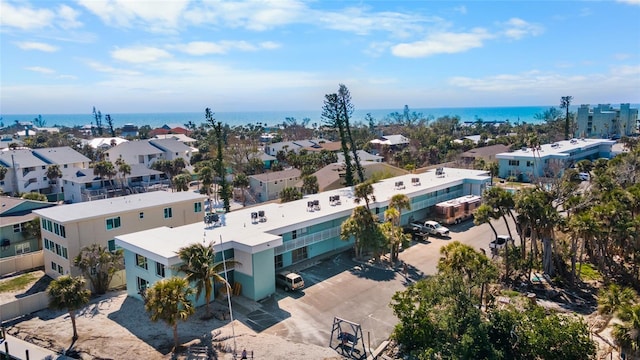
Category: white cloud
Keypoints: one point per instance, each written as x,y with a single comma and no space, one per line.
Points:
40,69
461,9
363,22
442,43
68,17
517,28
376,49
158,16
32,45
621,56
97,66
141,54
630,2
222,47
24,17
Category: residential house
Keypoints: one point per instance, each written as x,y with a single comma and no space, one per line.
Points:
386,143
604,121
331,177
486,153
550,160
295,146
27,168
180,137
149,151
104,143
268,238
363,156
268,186
15,215
129,130
67,229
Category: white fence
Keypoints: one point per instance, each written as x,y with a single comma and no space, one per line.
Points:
23,306
22,262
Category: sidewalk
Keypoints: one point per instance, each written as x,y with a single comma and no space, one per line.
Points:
18,350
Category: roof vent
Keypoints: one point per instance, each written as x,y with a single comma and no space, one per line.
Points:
440,172
399,185
415,181
334,200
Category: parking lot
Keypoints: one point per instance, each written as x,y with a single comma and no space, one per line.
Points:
360,293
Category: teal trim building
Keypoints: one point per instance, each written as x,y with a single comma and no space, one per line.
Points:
268,238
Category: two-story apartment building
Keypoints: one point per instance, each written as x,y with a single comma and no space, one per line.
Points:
67,229
550,160
268,186
149,151
268,238
15,216
27,168
604,121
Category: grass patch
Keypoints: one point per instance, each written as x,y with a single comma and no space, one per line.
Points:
17,283
588,272
510,293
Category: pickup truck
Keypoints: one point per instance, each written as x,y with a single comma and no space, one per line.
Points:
431,228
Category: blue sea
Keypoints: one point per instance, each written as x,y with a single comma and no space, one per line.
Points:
273,118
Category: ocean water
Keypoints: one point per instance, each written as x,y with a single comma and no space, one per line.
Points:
272,118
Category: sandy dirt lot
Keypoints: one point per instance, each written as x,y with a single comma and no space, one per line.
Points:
114,326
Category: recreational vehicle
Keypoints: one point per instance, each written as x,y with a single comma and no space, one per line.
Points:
457,210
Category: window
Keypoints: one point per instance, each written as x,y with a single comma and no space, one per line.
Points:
142,284
23,248
197,207
56,228
46,243
111,245
168,213
141,215
294,234
63,232
17,228
514,162
278,261
529,163
299,254
60,271
141,261
113,223
64,253
159,269
54,266
58,250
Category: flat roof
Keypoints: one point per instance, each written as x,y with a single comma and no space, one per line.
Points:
557,149
240,232
116,205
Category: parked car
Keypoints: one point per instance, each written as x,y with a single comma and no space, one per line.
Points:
289,281
432,228
583,176
499,242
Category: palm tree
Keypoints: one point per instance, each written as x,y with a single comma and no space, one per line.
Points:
614,298
181,182
124,169
68,293
198,263
289,194
99,265
393,233
53,173
104,168
364,191
362,226
168,300
206,177
627,334
399,202
3,172
241,181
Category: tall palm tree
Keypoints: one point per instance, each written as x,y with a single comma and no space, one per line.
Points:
400,202
206,177
565,102
198,263
393,233
53,173
68,293
124,169
364,191
614,298
362,226
168,300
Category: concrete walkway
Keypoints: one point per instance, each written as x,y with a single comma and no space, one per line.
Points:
18,348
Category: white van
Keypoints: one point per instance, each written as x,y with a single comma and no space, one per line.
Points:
289,281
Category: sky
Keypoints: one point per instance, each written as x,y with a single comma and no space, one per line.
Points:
123,56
